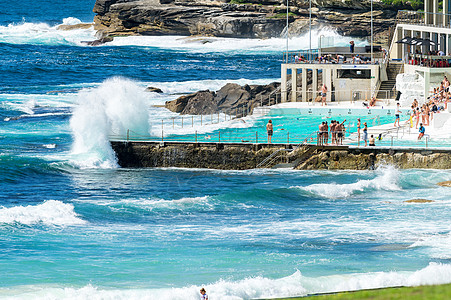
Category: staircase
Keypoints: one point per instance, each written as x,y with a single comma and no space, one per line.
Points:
387,89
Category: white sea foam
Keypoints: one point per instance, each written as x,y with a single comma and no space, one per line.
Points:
44,34
155,203
437,245
387,178
113,108
49,213
250,288
248,46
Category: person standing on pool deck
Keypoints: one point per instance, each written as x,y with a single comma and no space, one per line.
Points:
365,133
323,94
203,294
422,130
358,130
351,46
269,130
397,113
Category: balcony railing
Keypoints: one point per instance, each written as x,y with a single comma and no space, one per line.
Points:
424,19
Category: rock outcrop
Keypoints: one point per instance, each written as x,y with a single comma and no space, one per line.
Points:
231,99
234,18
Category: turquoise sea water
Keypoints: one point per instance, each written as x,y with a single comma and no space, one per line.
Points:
74,225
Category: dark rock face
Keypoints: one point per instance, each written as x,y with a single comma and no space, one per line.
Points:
154,89
256,19
231,98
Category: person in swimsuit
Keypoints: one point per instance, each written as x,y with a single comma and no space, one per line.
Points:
203,294
332,132
372,141
397,113
323,94
358,130
269,130
326,134
340,129
422,130
320,138
365,133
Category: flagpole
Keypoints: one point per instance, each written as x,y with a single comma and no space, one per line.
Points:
310,32
287,33
372,32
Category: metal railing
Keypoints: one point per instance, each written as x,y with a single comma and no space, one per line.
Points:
324,57
431,61
422,18
338,96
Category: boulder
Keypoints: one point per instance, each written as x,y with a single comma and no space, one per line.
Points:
419,201
231,99
154,90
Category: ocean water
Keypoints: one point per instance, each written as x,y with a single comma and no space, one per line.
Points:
74,225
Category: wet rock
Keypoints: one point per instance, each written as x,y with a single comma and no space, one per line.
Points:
445,183
419,201
231,99
154,90
75,26
99,42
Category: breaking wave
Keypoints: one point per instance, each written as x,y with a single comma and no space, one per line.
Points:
49,213
387,178
250,288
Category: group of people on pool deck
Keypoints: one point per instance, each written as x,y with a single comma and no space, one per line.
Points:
336,132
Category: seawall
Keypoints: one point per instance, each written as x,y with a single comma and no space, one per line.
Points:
241,156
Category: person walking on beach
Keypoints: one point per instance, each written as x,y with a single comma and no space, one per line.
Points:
323,94
269,130
203,294
397,113
422,130
365,133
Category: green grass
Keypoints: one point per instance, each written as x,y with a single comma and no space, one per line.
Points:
430,292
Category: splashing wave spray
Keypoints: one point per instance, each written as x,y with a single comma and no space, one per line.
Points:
111,109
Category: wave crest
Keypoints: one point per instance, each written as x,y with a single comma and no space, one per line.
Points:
387,178
51,212
250,288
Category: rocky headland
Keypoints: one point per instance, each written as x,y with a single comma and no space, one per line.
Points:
239,18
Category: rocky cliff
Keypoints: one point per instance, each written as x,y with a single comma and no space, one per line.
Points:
234,18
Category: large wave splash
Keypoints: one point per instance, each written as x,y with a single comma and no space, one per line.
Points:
44,34
250,288
387,178
48,213
113,108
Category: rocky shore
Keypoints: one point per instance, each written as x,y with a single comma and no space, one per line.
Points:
238,18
